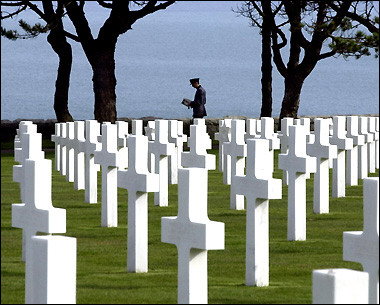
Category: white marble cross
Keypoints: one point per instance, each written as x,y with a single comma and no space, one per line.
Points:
199,142
37,213
372,145
284,143
322,150
150,132
237,149
68,141
109,160
138,181
78,146
352,155
343,144
62,165
363,150
224,135
161,148
122,135
56,138
377,152
51,268
251,129
173,159
91,145
363,246
297,163
193,234
258,187
137,127
267,132
182,138
340,286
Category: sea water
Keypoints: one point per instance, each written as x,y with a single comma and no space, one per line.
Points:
156,59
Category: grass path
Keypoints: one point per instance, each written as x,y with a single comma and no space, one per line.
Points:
102,252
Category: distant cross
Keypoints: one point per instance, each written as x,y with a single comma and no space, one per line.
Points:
377,154
284,143
161,148
150,132
352,154
37,214
363,246
91,145
224,135
56,138
372,145
237,149
343,144
199,141
173,159
78,146
122,135
138,181
69,143
267,132
297,164
193,234
109,160
258,187
62,165
363,150
137,127
322,150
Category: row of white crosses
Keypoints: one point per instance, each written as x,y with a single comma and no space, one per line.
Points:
50,275
339,286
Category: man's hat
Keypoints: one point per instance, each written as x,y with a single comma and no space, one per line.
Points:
194,80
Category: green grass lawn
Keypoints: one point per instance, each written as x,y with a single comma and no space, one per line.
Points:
102,252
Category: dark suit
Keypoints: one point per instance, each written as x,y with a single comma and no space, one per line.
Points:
198,105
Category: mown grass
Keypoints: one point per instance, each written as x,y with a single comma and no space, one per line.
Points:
102,252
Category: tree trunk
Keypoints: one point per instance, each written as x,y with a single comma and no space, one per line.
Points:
58,42
104,82
291,100
266,65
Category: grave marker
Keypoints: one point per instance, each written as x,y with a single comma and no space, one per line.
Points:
363,246
78,145
343,144
267,132
109,160
372,145
56,138
122,134
161,149
50,276
237,149
173,159
62,165
284,143
352,155
297,163
68,141
224,135
258,187
91,145
138,181
363,150
193,234
37,213
322,150
340,286
150,132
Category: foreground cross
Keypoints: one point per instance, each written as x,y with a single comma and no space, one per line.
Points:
323,151
297,164
193,234
138,181
363,246
258,187
37,214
